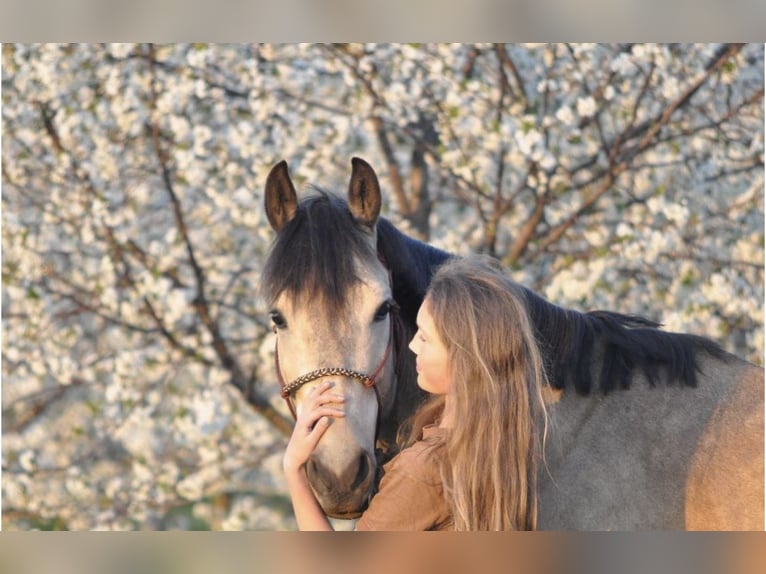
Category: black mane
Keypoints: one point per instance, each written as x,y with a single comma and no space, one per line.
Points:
573,342
412,264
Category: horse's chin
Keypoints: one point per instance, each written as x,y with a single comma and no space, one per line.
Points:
345,515
346,511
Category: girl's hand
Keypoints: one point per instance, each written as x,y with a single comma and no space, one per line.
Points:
311,424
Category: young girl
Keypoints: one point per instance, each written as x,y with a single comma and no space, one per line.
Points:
471,452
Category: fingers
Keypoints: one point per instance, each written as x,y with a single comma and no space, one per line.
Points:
318,403
315,413
312,437
320,395
302,443
320,391
312,417
319,428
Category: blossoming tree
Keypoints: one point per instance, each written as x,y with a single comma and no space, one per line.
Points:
138,389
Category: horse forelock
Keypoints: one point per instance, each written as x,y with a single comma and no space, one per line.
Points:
315,256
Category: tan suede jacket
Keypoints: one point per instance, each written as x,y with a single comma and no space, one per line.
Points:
411,494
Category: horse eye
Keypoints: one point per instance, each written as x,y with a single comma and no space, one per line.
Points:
382,311
278,320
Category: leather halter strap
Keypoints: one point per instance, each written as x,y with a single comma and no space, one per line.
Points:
287,389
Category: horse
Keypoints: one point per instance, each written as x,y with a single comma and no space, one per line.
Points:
648,429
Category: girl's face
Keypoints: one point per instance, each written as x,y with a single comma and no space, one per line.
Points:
432,357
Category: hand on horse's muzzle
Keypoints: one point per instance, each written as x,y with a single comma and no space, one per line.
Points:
318,407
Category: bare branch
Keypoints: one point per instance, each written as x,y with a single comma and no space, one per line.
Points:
527,232
394,173
18,415
507,62
470,62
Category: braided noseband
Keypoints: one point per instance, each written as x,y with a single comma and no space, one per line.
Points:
287,389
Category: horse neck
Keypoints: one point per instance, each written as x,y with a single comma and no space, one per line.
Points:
412,264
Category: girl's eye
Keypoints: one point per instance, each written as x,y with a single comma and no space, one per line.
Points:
278,320
382,311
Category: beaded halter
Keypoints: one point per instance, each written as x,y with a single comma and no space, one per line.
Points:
288,389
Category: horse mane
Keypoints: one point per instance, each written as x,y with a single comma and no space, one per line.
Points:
314,254
573,342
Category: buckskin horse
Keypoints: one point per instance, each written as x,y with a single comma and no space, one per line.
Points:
648,429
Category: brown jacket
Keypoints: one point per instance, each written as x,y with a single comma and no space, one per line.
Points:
411,494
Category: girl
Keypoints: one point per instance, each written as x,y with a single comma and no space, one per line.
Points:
470,454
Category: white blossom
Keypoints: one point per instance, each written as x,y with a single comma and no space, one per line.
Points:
586,107
565,115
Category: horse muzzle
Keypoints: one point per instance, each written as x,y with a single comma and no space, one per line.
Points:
345,492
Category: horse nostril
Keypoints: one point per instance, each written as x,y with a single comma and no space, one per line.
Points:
351,478
363,471
313,472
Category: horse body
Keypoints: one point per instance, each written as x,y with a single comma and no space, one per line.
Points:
648,458
649,430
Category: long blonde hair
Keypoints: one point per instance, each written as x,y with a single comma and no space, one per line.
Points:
494,445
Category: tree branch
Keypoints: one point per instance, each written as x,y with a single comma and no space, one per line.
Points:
507,62
650,131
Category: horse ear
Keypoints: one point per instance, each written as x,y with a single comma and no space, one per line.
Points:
281,199
364,193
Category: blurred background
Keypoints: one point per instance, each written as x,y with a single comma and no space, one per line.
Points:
626,177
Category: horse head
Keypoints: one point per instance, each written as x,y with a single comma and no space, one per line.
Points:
332,310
